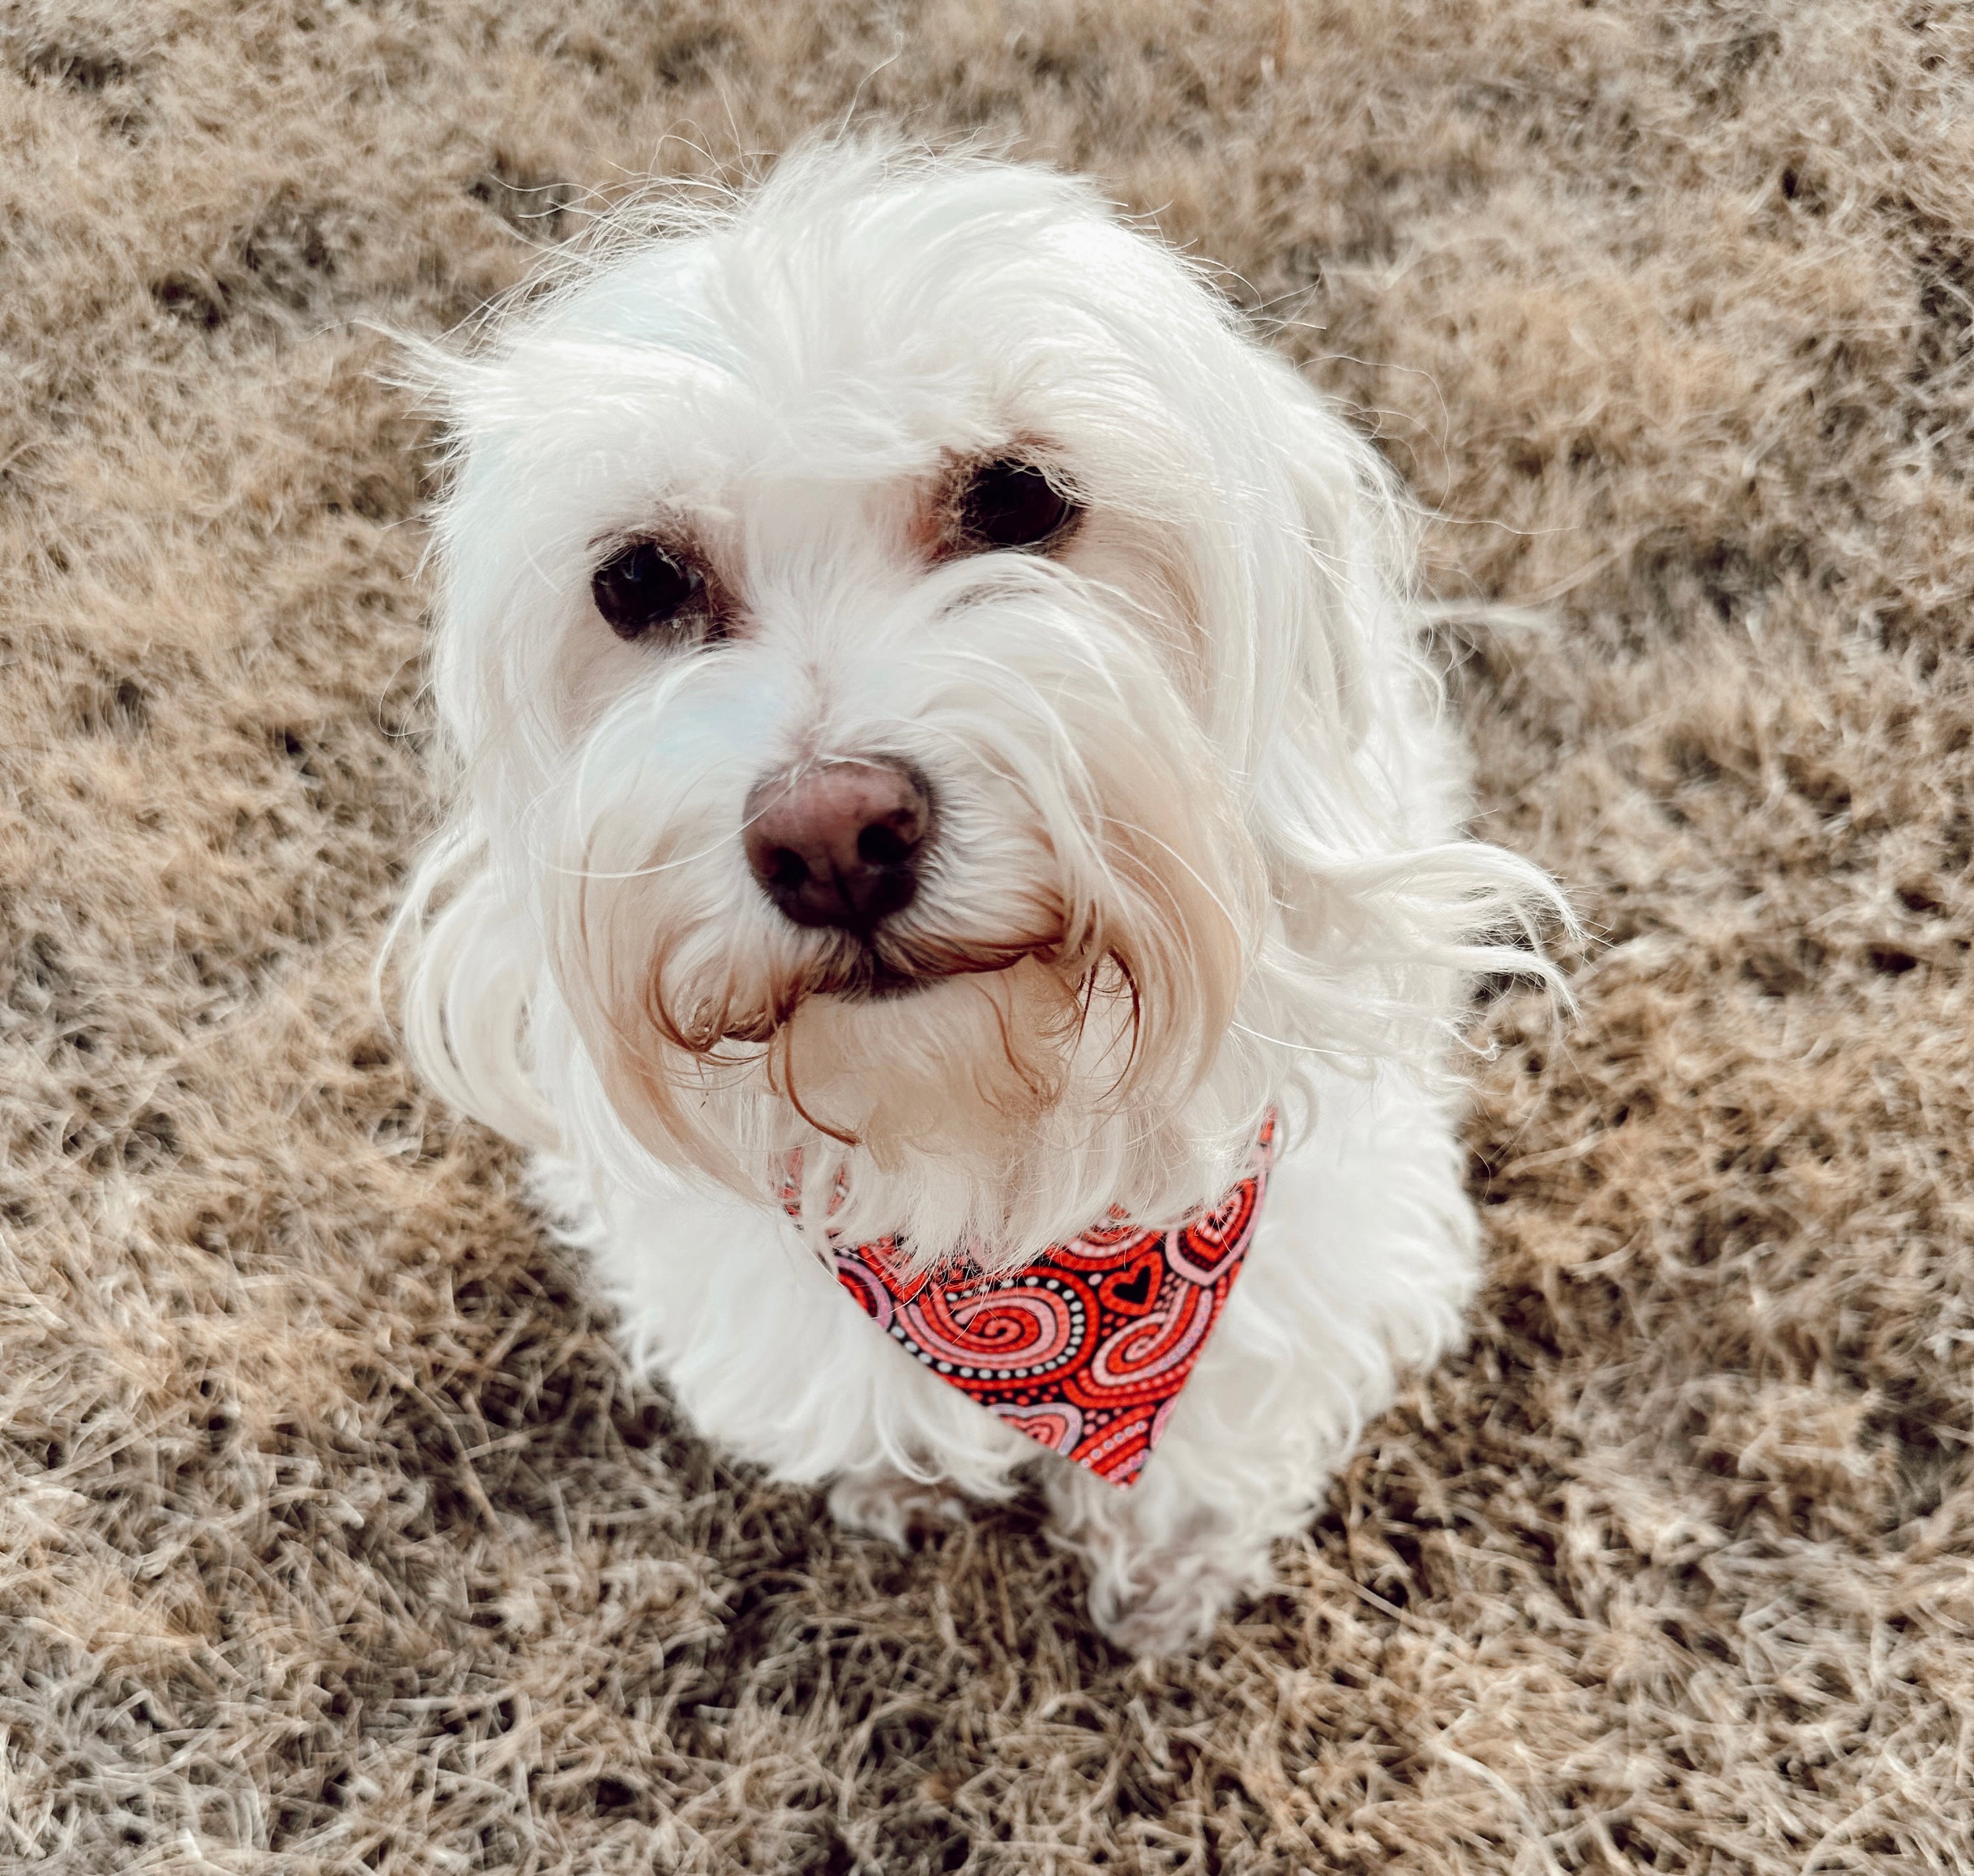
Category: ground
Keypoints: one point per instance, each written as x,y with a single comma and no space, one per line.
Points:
334,1537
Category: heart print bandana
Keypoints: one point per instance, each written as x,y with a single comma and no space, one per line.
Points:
1086,1349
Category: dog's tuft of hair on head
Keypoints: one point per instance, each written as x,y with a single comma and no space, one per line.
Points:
932,462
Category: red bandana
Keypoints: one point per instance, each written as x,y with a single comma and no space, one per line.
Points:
1087,1348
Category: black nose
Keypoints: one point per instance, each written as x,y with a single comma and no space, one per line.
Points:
839,843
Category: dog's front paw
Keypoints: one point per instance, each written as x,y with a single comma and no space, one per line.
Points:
1164,1605
890,1505
1163,1567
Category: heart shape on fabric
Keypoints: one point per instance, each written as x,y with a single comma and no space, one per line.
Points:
1133,1290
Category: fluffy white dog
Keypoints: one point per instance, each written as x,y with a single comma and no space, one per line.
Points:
942,756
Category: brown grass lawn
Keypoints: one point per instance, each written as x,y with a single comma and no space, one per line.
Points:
334,1537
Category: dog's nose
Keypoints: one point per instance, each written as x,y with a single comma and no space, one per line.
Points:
839,843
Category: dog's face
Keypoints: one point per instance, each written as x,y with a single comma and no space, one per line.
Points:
897,633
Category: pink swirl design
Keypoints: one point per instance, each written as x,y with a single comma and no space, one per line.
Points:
1103,1249
1057,1425
1140,1352
1204,1251
1026,1326
866,1286
1118,1448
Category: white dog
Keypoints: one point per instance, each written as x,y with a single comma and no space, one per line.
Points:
942,757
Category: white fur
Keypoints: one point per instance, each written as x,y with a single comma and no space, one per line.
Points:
1192,751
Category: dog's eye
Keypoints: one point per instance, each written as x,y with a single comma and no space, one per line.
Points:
641,587
1012,503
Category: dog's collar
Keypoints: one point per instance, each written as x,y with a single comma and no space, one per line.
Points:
1086,1349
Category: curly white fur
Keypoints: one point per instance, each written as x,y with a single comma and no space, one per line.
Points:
1198,852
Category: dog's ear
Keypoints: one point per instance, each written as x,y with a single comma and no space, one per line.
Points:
468,959
1358,796
1326,560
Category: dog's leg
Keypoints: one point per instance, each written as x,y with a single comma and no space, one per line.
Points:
881,1502
1366,1256
772,1361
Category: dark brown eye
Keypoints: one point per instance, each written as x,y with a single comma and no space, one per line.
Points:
641,588
1008,502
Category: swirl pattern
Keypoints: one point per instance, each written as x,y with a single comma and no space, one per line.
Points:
1086,1349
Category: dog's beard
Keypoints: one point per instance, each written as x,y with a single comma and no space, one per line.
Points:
879,967
962,1070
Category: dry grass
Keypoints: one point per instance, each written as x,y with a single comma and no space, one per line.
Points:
334,1537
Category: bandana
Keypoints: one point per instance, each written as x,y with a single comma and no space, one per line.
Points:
1086,1349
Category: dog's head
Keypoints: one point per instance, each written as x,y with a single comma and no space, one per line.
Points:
926,689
